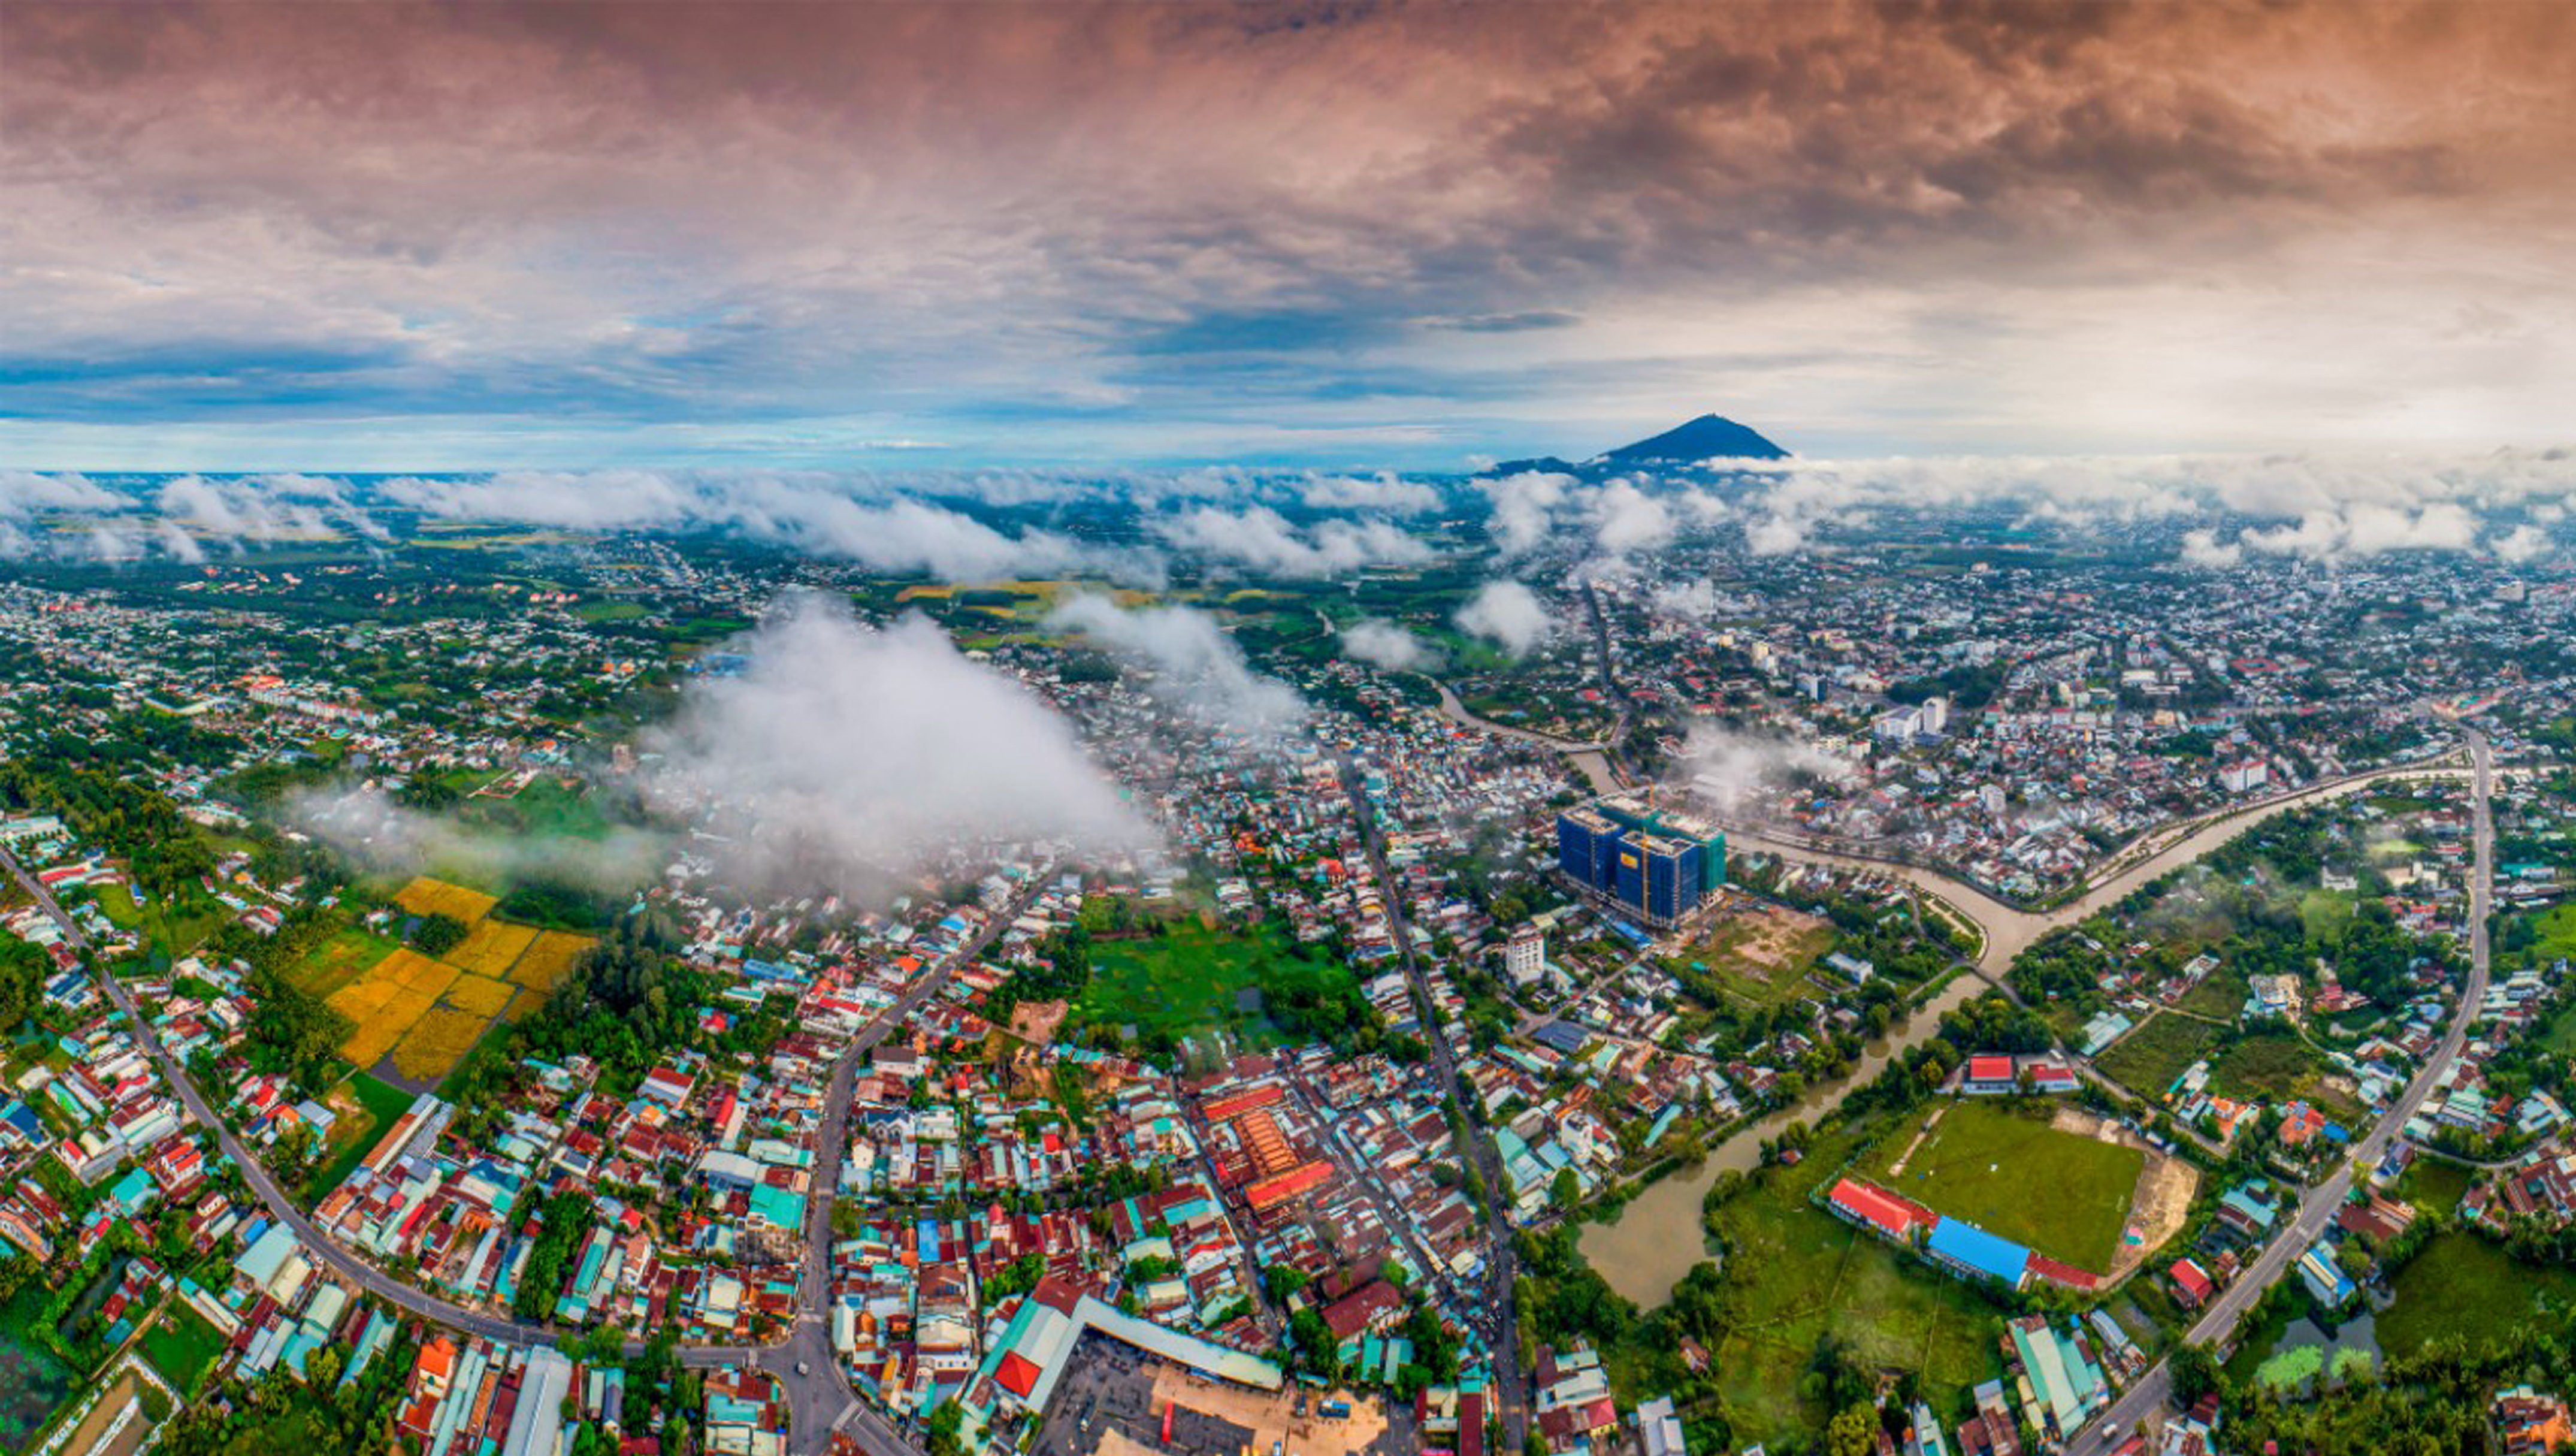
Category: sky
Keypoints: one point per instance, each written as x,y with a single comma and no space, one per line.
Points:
888,236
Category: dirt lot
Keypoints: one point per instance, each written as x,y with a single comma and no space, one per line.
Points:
1035,1022
2160,1204
1272,1417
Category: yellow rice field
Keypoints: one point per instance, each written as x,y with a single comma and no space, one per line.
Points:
547,961
437,1042
491,948
427,1014
426,896
481,995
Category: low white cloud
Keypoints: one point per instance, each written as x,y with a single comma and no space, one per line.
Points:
2203,549
847,757
1523,509
1736,771
817,517
2334,506
1385,644
1508,614
1626,519
1775,535
1262,540
1198,668
1382,492
2523,543
2369,528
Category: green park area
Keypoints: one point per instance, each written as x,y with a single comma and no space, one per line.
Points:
2007,1171
2156,1051
1795,1277
2462,1287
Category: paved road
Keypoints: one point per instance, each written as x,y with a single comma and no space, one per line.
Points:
1503,1335
819,1397
2152,1392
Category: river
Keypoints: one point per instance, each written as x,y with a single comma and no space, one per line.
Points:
1658,1237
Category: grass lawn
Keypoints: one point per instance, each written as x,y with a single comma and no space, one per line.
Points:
2463,1287
1796,1273
2155,1052
1191,978
2011,1174
181,1345
368,1109
2435,1186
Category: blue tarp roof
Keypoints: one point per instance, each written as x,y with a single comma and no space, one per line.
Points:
1968,1244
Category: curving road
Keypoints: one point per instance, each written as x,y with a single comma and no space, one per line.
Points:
2152,1393
820,1400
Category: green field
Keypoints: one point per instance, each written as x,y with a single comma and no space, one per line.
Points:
2326,915
1191,978
2156,1051
181,1345
2013,1175
2435,1186
2462,1287
545,809
165,933
1795,1273
2275,1066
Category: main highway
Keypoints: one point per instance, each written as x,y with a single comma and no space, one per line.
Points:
819,1397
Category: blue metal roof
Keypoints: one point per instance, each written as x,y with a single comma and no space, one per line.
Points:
1965,1243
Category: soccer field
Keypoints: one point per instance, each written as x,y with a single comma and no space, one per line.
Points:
2011,1174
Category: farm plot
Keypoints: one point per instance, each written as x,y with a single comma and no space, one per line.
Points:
491,948
413,1018
548,959
426,896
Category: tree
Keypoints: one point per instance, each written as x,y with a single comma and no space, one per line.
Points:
1852,1433
2195,1374
436,935
942,1433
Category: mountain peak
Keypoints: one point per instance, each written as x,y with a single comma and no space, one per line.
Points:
1709,437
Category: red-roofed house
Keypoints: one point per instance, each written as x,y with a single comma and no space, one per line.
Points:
2191,1286
1987,1076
